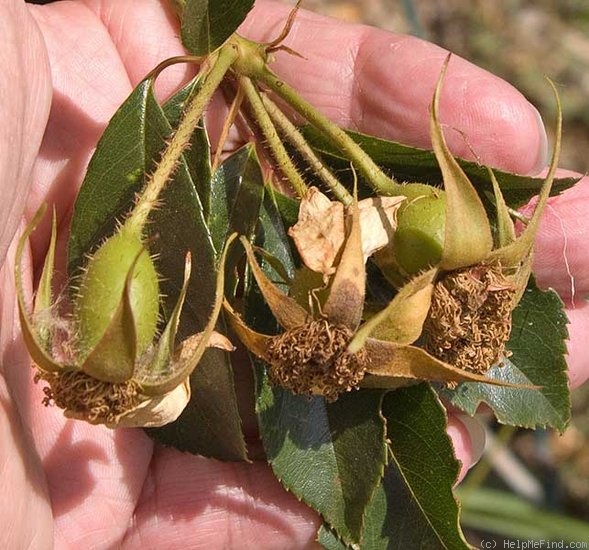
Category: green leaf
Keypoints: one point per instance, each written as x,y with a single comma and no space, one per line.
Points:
206,24
198,155
316,449
413,164
330,456
328,539
537,344
211,424
128,149
237,189
415,507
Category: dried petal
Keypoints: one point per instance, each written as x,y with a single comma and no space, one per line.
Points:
378,222
156,411
319,232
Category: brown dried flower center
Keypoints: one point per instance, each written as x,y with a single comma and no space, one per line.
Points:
312,359
470,318
82,396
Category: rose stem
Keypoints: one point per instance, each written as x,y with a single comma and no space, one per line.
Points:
379,181
180,139
271,135
291,132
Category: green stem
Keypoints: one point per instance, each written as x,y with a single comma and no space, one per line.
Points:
379,181
180,139
268,129
291,132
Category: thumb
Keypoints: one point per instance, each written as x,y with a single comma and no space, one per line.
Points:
25,90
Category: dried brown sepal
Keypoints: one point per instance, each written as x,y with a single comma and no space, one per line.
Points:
287,312
394,366
345,302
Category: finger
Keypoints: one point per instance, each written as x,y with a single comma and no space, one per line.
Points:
191,501
145,33
468,438
89,84
25,514
382,83
561,261
577,356
364,79
25,89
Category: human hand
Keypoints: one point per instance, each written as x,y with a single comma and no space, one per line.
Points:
102,488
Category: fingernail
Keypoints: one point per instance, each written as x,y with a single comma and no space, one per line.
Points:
476,433
543,150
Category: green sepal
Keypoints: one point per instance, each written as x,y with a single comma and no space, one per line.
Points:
175,376
468,238
39,353
113,357
516,251
44,296
505,227
167,341
401,322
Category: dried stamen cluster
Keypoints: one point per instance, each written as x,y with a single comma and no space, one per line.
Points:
86,397
313,358
469,321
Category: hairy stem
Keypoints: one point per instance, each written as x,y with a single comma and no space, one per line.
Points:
294,136
379,181
180,139
265,123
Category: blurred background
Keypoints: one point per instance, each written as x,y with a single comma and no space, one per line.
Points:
529,485
520,40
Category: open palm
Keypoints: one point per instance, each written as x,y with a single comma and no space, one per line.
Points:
80,486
